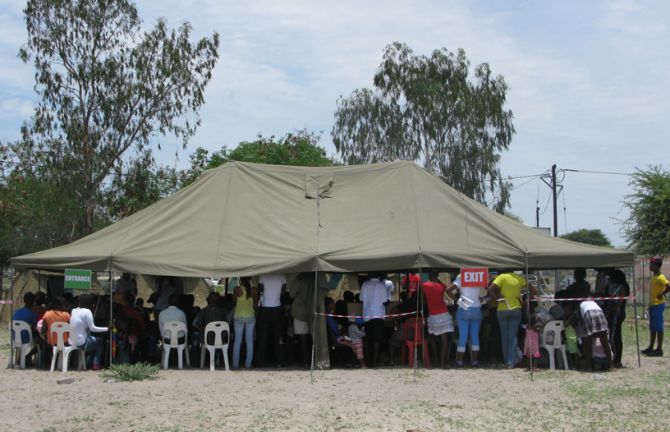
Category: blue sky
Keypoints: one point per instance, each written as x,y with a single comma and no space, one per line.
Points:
589,81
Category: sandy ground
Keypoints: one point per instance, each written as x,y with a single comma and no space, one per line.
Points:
391,399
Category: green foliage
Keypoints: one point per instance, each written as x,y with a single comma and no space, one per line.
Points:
132,372
298,149
648,226
430,109
138,185
589,236
106,87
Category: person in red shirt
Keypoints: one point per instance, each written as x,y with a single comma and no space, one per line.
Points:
440,323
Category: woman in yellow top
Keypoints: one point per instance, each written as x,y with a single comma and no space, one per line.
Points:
246,301
659,287
506,288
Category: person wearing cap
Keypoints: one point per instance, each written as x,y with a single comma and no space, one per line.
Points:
659,287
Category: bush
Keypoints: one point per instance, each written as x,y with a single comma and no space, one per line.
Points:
132,372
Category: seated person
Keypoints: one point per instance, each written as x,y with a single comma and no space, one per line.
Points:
81,320
212,312
38,307
172,313
136,324
56,313
26,314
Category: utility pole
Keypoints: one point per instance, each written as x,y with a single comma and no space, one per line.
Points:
553,191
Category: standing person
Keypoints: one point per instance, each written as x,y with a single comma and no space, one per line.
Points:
301,290
81,320
659,287
439,320
580,288
271,317
506,288
469,319
617,313
246,301
374,295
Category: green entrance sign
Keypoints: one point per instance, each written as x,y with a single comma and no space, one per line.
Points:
78,279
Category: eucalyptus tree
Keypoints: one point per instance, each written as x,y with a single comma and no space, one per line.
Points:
108,90
431,109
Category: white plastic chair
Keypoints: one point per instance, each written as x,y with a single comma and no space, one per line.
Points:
552,340
218,328
58,330
171,330
23,350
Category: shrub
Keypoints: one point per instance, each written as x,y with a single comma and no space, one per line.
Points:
132,372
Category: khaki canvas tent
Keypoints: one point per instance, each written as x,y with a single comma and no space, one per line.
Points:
249,219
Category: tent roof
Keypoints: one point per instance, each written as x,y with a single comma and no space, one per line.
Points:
248,219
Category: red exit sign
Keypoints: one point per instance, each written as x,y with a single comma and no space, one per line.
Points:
474,277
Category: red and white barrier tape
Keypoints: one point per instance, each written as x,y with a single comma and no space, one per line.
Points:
367,317
6,302
551,298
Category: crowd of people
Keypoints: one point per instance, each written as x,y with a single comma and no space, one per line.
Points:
272,324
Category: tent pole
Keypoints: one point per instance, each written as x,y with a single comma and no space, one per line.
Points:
111,320
637,332
316,275
419,306
11,319
530,356
314,322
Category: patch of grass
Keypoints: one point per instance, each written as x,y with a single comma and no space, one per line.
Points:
132,372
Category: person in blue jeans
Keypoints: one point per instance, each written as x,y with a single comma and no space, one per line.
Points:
81,321
506,288
468,319
246,301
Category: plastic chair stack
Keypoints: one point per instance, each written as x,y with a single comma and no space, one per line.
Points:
552,340
58,330
217,328
171,331
413,334
21,349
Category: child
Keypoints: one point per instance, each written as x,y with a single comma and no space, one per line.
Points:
356,335
571,345
531,345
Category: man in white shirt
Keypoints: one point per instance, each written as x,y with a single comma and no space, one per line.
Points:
374,295
172,313
81,321
270,320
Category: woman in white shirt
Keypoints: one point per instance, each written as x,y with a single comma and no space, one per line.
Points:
469,319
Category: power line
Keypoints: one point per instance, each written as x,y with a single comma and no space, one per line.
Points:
597,172
523,184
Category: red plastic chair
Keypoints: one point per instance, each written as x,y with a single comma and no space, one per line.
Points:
412,330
